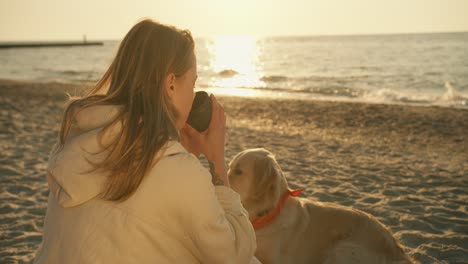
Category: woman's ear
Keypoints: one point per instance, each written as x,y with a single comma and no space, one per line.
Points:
169,84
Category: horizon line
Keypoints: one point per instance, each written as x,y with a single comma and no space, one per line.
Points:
258,36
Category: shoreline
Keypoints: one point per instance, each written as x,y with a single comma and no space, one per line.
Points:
406,165
67,85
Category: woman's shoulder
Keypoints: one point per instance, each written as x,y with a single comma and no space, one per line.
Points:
177,163
171,182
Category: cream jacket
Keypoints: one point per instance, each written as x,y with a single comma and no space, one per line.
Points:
175,216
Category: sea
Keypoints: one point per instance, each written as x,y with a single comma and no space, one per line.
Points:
420,69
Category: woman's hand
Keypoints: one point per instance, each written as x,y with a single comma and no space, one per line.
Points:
209,143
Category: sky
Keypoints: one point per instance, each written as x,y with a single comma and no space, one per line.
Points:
40,20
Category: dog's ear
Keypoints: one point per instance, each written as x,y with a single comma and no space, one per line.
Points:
235,158
267,179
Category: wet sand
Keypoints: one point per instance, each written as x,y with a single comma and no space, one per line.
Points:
406,165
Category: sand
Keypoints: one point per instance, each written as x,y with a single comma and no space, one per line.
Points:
406,165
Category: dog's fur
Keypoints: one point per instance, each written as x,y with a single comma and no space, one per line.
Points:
307,231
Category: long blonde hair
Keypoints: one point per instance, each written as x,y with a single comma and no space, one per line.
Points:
135,80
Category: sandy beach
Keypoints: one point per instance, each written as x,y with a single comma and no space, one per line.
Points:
406,165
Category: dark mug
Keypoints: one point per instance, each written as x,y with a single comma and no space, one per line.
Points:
200,114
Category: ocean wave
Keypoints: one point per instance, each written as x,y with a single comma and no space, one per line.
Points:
71,72
310,78
64,72
227,73
340,91
274,78
386,95
452,96
333,78
331,91
76,73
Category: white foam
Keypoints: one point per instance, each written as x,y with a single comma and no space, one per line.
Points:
386,95
451,97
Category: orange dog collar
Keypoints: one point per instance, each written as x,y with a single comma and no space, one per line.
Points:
263,221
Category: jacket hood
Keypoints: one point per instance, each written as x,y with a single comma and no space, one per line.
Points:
68,177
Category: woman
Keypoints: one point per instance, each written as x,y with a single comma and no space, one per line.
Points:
123,189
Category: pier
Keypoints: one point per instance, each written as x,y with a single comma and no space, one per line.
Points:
13,45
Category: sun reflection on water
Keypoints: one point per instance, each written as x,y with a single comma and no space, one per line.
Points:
235,62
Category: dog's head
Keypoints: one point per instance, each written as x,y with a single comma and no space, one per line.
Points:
257,177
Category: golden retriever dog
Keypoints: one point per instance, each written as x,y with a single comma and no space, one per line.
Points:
295,230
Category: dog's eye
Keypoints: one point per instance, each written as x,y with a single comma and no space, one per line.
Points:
237,172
